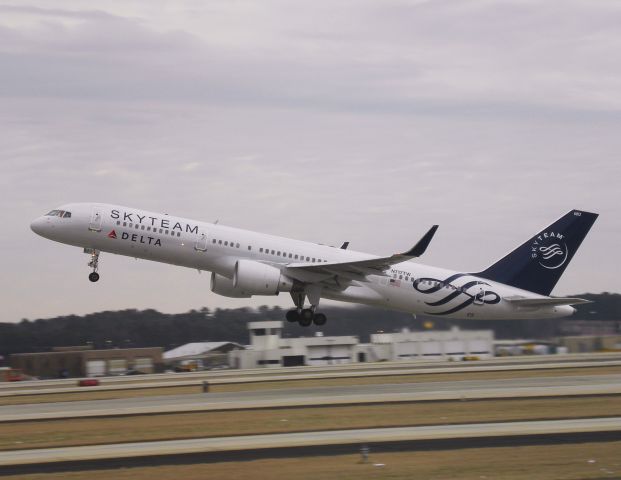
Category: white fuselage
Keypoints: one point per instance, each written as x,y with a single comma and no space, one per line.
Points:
408,286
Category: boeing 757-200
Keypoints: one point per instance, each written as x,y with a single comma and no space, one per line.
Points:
245,263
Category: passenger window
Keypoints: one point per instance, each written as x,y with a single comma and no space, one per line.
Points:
296,257
219,242
308,259
400,277
261,250
124,224
237,245
272,252
161,231
249,247
148,229
137,226
213,241
178,234
290,255
313,260
141,227
118,222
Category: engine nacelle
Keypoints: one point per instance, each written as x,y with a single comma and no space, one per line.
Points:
224,286
255,278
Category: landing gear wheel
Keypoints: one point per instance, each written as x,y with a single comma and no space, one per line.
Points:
306,317
94,264
292,316
319,319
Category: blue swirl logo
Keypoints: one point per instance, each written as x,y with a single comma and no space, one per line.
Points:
461,293
549,250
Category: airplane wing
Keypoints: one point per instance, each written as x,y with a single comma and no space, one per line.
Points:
358,269
543,302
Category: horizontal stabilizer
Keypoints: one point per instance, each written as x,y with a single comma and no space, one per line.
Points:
543,302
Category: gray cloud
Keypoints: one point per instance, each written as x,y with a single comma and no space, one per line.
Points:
339,121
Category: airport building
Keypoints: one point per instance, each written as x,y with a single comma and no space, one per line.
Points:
269,349
454,344
83,361
591,343
200,355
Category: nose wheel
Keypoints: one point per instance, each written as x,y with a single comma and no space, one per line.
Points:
94,264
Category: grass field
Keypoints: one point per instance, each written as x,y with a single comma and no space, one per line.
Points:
64,432
548,462
417,378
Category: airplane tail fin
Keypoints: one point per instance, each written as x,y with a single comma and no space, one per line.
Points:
537,264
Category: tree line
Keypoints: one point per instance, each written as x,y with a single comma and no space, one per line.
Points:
150,328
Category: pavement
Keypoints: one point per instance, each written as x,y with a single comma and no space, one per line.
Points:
246,442
280,374
312,396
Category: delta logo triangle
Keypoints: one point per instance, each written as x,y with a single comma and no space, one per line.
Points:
112,234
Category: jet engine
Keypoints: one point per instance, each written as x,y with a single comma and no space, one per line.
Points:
224,286
255,278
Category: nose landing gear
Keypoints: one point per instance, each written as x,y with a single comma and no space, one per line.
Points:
94,264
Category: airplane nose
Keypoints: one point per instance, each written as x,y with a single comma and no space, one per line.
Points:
38,226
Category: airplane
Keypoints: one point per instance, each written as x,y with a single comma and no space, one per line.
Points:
245,263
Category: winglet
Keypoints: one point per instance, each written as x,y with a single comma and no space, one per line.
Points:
345,245
418,249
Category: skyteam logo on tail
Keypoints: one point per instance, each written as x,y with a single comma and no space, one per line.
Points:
549,250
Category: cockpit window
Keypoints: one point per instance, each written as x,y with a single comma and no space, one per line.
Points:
59,213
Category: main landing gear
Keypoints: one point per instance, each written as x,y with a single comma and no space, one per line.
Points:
94,264
306,316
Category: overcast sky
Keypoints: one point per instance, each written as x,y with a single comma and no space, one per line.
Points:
327,121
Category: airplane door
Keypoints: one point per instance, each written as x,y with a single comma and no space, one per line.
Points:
201,242
95,223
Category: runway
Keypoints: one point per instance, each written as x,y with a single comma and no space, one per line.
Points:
265,375
301,439
313,396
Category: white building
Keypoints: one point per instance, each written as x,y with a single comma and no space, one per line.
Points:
268,349
454,344
200,354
